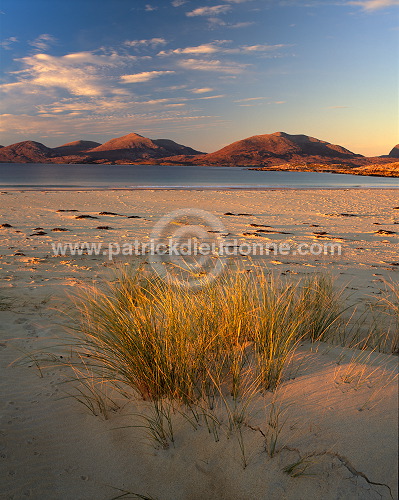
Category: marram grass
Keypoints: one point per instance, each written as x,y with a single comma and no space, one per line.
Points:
163,341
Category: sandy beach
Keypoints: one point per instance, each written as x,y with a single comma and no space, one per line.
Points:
52,448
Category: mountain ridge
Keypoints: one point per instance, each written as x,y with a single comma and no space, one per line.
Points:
276,151
394,152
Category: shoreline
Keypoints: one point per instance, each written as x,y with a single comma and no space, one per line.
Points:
4,190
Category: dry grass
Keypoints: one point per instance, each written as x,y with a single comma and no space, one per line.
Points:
167,342
206,355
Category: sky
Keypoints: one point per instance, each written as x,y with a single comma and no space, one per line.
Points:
203,73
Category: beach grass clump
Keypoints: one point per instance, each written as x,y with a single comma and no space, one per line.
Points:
377,326
390,302
205,355
322,309
163,341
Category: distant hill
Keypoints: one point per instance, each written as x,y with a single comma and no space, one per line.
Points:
395,152
175,148
272,149
278,151
75,147
136,147
26,152
126,149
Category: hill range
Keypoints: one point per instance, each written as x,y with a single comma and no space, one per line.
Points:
277,151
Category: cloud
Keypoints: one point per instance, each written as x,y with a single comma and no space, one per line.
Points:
206,48
250,99
209,97
261,48
152,42
216,47
80,73
74,105
372,5
204,90
73,125
5,44
178,3
213,65
240,25
150,8
209,11
145,76
42,42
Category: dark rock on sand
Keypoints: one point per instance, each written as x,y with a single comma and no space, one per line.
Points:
384,232
271,231
238,215
341,215
110,213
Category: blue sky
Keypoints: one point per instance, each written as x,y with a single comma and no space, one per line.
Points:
203,73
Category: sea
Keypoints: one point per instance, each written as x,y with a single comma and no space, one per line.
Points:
28,176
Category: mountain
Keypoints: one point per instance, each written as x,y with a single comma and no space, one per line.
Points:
136,147
395,152
126,149
174,148
26,152
278,151
278,148
75,147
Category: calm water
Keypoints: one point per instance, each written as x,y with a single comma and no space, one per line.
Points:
37,176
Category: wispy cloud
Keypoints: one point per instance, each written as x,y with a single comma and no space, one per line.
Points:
76,126
209,11
218,46
206,48
80,73
42,42
145,76
178,3
213,65
5,44
240,25
150,8
247,99
152,42
175,105
372,5
204,90
205,98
